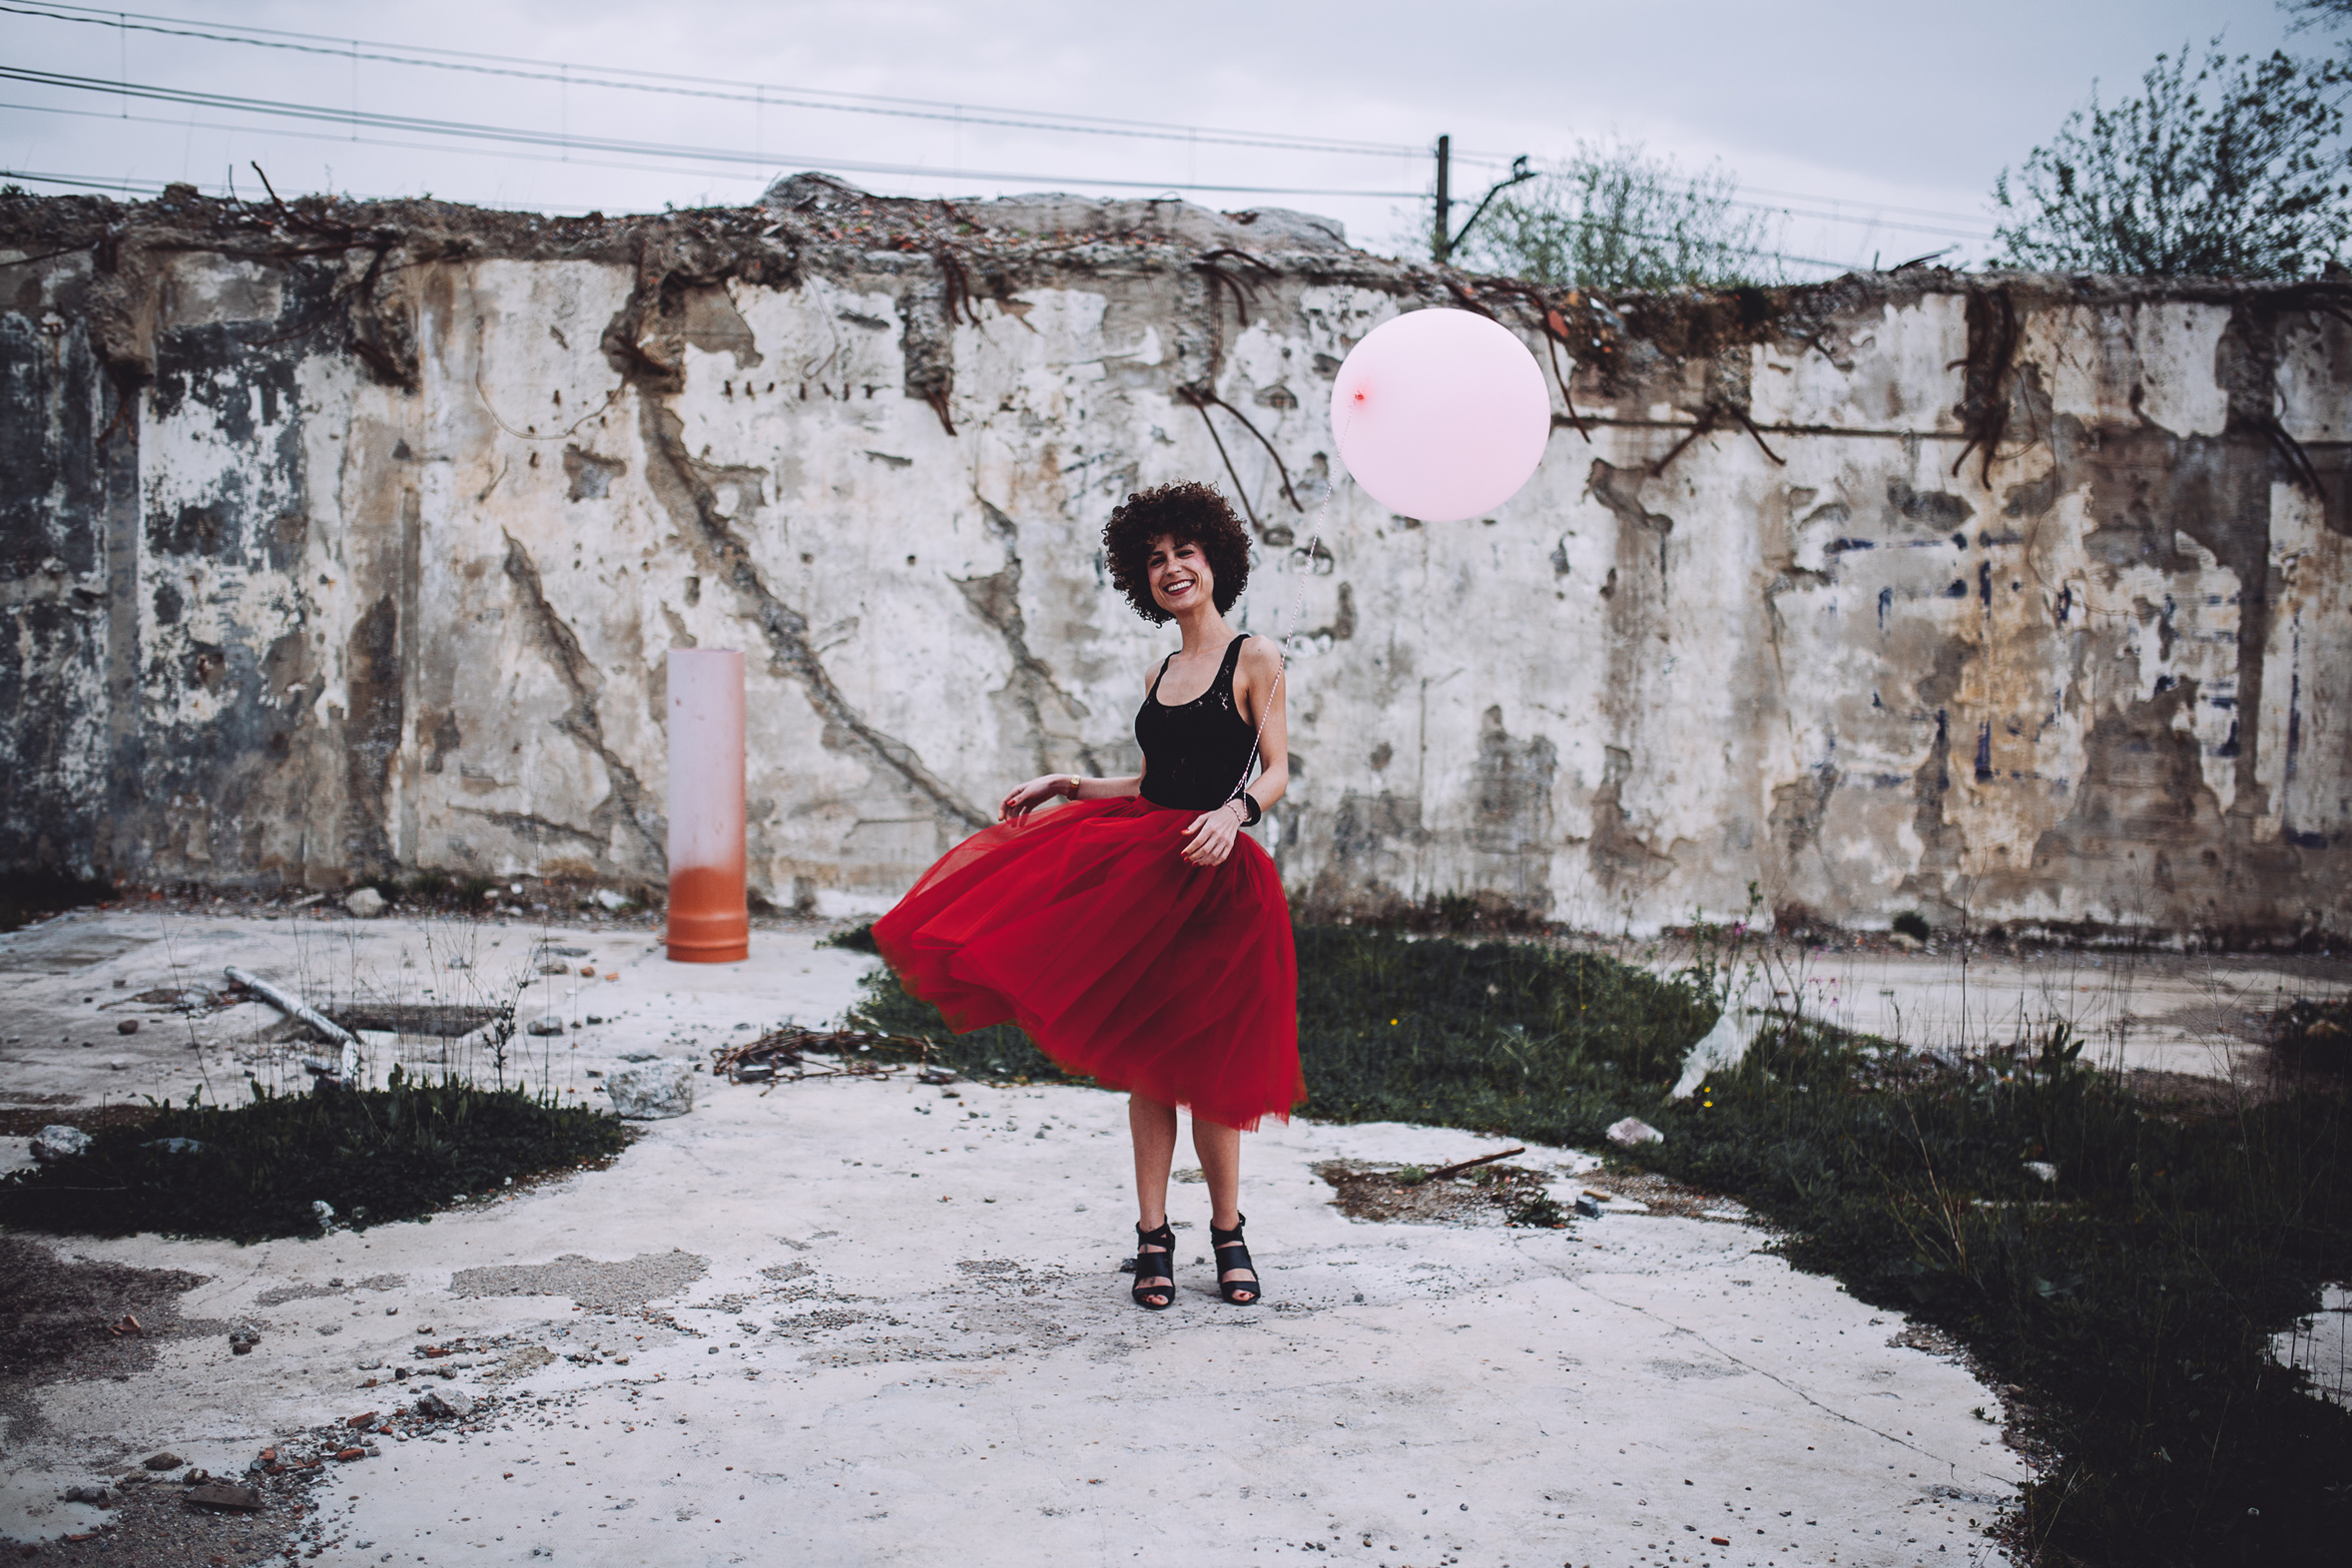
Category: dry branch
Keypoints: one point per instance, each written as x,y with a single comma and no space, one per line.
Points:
768,1056
346,1067
1444,1171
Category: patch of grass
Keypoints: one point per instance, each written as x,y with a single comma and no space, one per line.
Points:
1514,1037
35,895
858,939
251,1171
2133,1300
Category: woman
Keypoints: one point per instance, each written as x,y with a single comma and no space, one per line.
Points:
1135,934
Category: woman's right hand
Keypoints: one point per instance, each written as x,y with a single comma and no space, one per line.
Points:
1034,793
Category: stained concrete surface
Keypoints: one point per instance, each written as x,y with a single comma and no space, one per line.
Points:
897,1317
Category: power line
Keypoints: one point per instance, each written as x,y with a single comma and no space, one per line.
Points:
753,177
762,162
720,89
1494,161
762,96
569,145
341,140
85,182
1879,207
1873,221
218,187
523,137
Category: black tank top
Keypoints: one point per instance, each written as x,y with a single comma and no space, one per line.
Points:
1193,755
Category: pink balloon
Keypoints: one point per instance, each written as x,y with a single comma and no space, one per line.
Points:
1442,414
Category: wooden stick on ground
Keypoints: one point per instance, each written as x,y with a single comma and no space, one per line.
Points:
1444,1170
295,1007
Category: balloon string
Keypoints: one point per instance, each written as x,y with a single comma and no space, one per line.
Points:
1283,650
1344,418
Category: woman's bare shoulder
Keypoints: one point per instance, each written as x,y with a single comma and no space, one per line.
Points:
1260,656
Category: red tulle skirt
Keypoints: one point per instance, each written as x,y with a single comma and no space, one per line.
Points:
1086,926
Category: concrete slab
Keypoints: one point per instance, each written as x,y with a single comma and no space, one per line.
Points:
908,1338
861,1321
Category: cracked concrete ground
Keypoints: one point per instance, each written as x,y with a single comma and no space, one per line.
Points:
865,1322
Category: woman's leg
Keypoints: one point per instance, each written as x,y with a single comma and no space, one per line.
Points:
1219,1148
1152,1125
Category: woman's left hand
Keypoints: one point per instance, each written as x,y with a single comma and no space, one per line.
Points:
1209,838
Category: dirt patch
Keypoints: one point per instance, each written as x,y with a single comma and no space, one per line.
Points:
1658,1195
2208,1020
521,1363
1933,1341
61,1319
2276,1074
1490,1195
2194,1094
55,1311
611,1287
822,1318
279,1296
152,1525
21,1122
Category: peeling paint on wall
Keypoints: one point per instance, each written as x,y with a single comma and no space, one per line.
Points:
343,540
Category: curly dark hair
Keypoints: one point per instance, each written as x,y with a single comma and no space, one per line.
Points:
1189,513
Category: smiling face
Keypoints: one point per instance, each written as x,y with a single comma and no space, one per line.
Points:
1181,580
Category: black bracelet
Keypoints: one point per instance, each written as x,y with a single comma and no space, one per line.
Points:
1251,810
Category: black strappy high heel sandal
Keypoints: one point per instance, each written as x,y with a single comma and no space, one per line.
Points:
1155,1266
1231,1255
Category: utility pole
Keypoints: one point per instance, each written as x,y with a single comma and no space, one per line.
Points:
1444,236
1440,242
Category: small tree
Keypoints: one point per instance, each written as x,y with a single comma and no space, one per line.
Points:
2236,170
1613,216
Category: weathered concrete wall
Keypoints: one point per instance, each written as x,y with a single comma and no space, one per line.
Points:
346,540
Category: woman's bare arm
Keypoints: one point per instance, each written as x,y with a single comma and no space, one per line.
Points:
1070,787
1262,692
1259,689
1067,787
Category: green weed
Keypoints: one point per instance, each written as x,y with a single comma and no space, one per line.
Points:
253,1170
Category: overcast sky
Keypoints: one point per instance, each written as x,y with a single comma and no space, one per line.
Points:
1892,119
